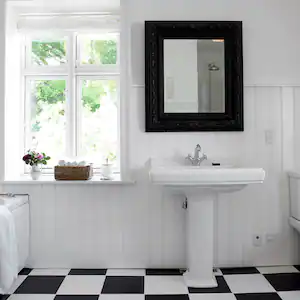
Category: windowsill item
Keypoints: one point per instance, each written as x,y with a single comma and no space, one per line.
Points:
49,179
73,173
106,171
35,172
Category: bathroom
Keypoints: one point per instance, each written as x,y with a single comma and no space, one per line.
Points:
132,224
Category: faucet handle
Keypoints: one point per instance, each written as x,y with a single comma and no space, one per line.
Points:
189,156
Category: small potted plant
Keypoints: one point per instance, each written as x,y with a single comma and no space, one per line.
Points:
35,160
106,169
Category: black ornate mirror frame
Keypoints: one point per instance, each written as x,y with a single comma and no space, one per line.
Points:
159,121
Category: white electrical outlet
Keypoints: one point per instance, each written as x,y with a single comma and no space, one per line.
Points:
269,137
270,237
257,240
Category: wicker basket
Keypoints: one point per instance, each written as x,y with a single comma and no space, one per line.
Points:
73,173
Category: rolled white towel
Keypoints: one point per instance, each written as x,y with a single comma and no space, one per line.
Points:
8,250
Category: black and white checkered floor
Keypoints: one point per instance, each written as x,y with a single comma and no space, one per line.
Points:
264,283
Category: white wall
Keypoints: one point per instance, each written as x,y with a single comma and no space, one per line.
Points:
2,85
14,126
139,225
270,30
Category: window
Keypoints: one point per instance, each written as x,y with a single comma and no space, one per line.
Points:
71,96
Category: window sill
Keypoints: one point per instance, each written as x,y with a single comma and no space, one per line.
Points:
49,179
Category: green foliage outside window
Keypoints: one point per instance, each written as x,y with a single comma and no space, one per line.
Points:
54,53
100,52
43,51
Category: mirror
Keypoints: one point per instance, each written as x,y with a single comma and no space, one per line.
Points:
194,76
195,84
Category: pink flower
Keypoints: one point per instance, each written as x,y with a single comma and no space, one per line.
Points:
40,156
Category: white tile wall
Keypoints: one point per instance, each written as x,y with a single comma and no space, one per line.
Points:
141,225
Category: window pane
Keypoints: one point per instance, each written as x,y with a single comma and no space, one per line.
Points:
47,118
48,53
98,50
99,120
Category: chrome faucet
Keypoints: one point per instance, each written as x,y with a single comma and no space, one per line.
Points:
198,158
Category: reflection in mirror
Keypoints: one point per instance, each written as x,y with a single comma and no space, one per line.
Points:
194,76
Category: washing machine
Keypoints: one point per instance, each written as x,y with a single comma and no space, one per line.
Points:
18,205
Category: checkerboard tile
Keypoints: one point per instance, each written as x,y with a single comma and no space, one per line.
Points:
123,285
40,285
291,295
87,272
25,271
236,271
76,297
166,297
31,297
255,296
284,282
278,270
262,283
50,272
81,285
165,285
297,267
122,297
248,283
212,297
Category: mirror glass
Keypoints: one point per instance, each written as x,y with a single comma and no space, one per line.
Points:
194,76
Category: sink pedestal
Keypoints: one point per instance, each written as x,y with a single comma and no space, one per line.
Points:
201,185
200,240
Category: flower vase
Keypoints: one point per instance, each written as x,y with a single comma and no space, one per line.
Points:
35,172
106,171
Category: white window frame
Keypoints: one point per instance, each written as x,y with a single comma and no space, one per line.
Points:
72,72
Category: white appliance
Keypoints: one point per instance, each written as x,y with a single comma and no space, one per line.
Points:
19,207
294,184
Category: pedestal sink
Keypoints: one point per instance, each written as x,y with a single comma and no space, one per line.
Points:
201,186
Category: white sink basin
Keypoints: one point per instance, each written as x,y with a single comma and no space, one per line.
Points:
205,176
201,186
